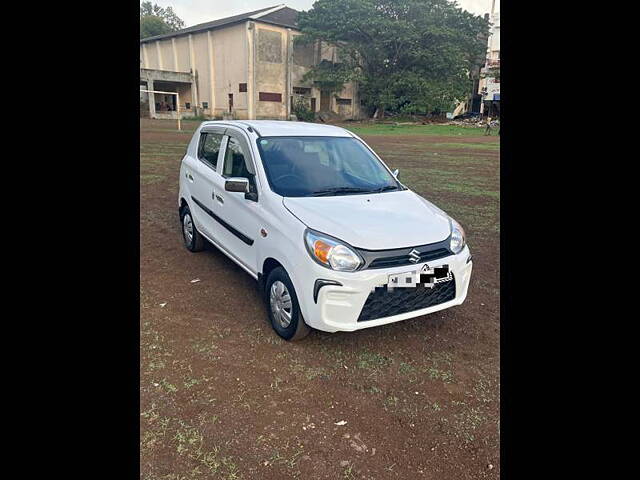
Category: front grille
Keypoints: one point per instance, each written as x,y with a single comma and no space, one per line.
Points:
399,257
383,303
400,260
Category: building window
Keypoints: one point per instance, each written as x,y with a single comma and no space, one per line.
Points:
343,101
242,87
270,97
187,106
230,102
205,104
302,90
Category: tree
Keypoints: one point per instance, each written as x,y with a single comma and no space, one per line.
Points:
155,20
407,55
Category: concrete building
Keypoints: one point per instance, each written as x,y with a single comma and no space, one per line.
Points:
243,67
489,86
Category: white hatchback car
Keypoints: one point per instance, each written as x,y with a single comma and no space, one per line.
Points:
334,239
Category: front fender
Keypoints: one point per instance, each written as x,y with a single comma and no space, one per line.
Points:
285,244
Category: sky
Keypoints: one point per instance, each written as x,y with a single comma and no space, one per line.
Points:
200,11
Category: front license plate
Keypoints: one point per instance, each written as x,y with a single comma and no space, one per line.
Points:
404,279
425,277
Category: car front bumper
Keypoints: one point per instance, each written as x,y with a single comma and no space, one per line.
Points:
338,307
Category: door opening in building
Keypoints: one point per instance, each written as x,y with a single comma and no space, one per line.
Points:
230,102
325,101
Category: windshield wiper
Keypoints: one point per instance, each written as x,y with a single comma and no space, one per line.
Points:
386,188
338,190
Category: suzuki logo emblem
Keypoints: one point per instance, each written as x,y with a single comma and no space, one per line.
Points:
414,256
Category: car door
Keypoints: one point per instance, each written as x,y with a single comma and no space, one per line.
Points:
237,213
209,153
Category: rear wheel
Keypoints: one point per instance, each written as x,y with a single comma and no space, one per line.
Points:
284,310
192,238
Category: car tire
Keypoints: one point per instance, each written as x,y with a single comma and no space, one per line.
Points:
191,236
283,307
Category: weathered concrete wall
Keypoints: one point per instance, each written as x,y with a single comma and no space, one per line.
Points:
165,76
348,111
271,73
152,57
184,90
303,58
166,51
182,50
327,52
202,69
231,65
304,55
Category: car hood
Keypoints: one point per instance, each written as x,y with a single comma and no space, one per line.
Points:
375,221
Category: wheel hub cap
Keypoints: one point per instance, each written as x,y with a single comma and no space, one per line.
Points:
187,227
280,301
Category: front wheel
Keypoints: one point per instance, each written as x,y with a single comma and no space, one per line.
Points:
284,310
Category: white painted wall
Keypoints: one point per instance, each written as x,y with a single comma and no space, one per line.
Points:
493,53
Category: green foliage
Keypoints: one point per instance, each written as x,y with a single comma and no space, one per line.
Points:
155,20
407,55
151,26
302,110
330,76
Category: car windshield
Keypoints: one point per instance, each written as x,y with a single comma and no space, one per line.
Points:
322,166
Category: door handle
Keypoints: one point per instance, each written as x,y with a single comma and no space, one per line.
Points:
220,199
189,177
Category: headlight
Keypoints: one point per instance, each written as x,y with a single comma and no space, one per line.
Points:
331,253
457,237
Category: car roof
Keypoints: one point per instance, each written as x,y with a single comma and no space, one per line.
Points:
283,128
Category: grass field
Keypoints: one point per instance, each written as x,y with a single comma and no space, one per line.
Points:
432,129
222,397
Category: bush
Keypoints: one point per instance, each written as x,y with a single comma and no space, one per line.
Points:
302,111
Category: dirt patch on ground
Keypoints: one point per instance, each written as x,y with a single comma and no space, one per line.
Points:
223,397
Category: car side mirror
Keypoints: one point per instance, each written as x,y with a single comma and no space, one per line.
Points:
237,184
396,173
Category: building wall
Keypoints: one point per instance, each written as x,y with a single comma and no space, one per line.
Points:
231,64
493,56
270,64
303,57
494,39
262,57
166,50
182,50
151,57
